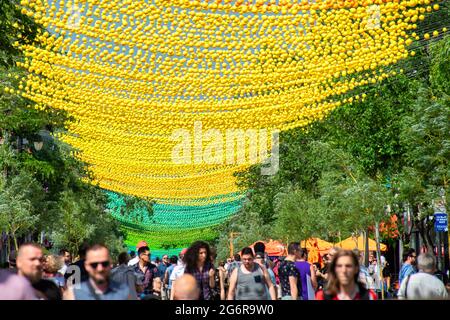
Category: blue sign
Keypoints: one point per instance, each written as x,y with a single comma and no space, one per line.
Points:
440,222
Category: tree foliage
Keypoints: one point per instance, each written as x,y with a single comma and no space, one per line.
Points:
340,175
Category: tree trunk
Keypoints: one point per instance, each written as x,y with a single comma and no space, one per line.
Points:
15,242
430,241
8,245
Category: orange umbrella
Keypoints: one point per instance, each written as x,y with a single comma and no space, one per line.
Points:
274,248
316,248
358,242
316,243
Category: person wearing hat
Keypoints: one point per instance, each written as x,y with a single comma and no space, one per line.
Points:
135,260
178,271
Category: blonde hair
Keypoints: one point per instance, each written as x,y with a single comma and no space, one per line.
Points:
53,263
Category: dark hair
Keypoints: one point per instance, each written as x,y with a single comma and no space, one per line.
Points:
293,247
49,289
96,247
259,247
333,282
303,252
408,254
213,253
82,250
221,263
237,257
247,250
157,260
63,251
191,256
142,250
173,259
132,254
123,258
317,264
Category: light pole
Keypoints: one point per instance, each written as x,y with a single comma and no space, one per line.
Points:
232,234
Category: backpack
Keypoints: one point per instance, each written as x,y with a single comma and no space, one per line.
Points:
121,275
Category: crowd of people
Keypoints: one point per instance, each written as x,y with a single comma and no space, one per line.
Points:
196,275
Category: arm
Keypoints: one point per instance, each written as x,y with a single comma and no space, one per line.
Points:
293,285
313,277
173,289
232,288
69,294
212,280
166,277
222,284
401,290
273,294
156,281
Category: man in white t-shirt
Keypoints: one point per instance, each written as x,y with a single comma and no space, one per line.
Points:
423,285
177,272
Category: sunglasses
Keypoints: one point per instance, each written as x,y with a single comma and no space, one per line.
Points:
104,264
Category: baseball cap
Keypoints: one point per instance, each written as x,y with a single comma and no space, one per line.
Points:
141,244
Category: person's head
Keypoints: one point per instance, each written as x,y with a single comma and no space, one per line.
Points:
47,290
229,260
213,253
82,250
52,264
247,258
182,253
259,247
30,261
197,254
132,254
259,258
185,288
237,257
326,259
360,256
98,263
221,263
157,260
165,259
141,244
173,260
66,256
144,254
303,254
426,262
123,258
294,249
344,270
316,266
332,252
410,256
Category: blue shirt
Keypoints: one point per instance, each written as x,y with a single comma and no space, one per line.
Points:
169,272
115,291
405,271
162,269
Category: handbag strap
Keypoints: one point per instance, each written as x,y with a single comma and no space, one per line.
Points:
406,286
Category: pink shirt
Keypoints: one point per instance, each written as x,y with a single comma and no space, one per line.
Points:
15,287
